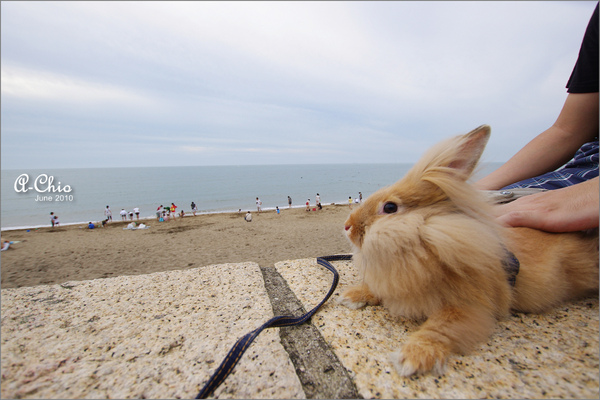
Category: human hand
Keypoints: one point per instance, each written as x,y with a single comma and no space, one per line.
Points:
574,208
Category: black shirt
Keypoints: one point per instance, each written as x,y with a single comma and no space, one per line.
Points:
584,78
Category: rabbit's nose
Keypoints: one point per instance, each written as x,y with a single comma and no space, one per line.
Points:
347,227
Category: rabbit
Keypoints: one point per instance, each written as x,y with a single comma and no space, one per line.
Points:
428,248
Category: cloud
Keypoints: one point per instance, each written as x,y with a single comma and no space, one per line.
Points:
260,150
278,82
27,84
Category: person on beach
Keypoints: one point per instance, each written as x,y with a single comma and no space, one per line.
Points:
248,217
173,208
158,212
318,201
194,208
350,202
56,221
91,225
52,219
360,197
308,205
181,214
108,213
123,214
289,202
104,222
131,215
136,210
258,204
5,244
571,200
277,208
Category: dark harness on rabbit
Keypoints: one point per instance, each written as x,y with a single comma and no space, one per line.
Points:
511,262
511,266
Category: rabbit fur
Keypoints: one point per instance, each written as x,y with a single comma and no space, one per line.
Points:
428,247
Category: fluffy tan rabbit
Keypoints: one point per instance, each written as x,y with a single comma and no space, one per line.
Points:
427,247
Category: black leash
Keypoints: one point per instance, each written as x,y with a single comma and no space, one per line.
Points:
244,342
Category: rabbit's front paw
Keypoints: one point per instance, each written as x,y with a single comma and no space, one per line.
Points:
420,356
350,301
357,297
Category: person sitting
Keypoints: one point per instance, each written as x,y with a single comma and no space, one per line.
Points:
91,225
563,159
5,244
248,217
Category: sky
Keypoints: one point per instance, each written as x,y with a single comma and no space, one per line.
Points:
136,84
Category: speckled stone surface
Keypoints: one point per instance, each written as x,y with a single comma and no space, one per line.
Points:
149,336
554,355
162,335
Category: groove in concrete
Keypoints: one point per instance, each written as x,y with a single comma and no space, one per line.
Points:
320,372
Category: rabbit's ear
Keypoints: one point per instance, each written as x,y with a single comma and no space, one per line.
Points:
469,150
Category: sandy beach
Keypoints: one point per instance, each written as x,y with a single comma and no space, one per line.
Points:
75,253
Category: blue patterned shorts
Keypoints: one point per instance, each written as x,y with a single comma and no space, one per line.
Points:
582,167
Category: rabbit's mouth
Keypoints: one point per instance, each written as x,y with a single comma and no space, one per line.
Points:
353,234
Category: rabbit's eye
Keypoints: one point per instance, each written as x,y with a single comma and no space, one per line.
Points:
390,208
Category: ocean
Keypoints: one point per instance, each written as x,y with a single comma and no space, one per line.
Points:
80,195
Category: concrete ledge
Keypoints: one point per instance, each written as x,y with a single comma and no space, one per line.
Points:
150,336
162,335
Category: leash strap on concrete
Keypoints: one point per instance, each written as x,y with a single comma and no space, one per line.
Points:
244,342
